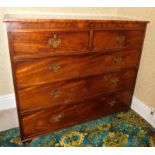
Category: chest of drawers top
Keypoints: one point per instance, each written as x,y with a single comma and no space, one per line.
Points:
87,22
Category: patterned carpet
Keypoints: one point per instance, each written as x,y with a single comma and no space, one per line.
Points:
121,129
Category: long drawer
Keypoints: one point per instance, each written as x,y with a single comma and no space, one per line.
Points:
74,91
56,69
67,115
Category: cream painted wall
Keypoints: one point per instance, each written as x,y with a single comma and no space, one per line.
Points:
145,87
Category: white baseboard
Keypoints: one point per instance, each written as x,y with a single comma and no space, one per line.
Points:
7,101
143,110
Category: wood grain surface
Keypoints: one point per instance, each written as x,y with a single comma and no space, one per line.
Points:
54,69
66,92
67,115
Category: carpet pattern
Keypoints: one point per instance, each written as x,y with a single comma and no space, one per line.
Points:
121,129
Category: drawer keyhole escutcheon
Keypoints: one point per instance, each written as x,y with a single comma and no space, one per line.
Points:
114,81
120,38
54,42
55,67
56,118
112,103
55,93
117,59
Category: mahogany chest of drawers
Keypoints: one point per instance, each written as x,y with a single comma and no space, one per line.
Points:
68,71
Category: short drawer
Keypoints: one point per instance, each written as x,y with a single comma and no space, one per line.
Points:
45,43
56,69
63,93
67,115
104,40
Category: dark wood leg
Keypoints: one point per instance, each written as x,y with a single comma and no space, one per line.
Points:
25,141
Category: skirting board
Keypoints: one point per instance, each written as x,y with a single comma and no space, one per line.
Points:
143,110
8,102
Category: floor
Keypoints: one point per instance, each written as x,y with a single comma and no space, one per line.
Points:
122,129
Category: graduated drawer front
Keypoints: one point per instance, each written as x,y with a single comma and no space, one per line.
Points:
44,43
117,39
42,96
67,115
61,68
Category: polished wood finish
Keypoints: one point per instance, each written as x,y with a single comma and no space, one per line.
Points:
39,43
74,90
57,69
68,71
117,39
67,115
